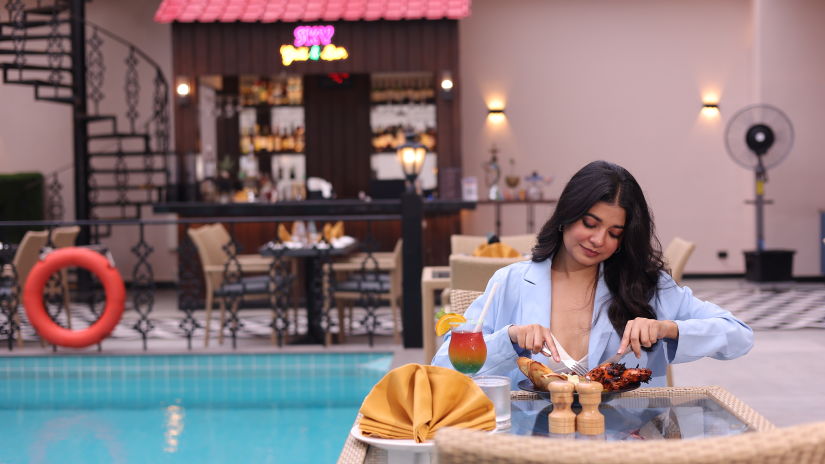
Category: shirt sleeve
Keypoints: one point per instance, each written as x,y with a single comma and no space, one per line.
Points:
501,354
705,329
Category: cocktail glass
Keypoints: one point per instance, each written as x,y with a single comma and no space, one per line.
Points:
467,349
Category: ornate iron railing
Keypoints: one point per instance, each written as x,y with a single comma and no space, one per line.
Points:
127,164
141,319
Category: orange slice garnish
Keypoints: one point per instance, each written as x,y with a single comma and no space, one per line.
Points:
446,322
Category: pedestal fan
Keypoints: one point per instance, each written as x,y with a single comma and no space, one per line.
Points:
759,137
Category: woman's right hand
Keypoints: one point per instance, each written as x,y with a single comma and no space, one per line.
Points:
533,337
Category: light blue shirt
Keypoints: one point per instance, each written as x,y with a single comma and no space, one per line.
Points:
523,297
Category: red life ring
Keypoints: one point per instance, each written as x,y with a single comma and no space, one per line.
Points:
91,261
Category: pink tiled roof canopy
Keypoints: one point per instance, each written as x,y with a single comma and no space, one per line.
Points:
209,11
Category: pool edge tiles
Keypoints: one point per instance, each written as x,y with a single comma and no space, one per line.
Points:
216,380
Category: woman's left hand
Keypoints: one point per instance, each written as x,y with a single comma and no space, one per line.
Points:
643,332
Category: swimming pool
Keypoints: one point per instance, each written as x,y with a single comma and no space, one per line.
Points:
262,408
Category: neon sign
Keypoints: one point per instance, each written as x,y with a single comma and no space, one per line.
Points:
307,45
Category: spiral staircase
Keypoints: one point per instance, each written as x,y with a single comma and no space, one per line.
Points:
121,144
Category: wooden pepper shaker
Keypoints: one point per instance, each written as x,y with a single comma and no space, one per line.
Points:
562,419
590,421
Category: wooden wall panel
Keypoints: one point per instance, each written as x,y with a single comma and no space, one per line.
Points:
373,46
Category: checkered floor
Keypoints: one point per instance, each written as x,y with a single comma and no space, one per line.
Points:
796,307
255,323
788,307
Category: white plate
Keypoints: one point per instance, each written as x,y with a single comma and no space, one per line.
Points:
392,444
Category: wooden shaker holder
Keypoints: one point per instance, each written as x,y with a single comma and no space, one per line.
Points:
562,419
590,421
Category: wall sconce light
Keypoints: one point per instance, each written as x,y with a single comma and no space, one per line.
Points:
411,155
710,110
446,85
183,89
496,115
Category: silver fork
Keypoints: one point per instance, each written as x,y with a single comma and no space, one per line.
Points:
575,367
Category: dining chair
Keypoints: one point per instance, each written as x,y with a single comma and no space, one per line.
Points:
465,244
65,237
472,272
249,262
255,263
209,244
800,444
25,257
384,282
522,243
676,256
461,299
464,272
353,262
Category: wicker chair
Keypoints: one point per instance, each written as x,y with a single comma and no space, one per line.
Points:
802,444
25,257
209,242
250,263
467,244
523,243
676,256
472,272
460,300
381,277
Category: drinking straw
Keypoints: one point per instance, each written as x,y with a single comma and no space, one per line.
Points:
486,307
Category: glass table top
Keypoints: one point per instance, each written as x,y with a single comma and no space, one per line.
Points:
635,418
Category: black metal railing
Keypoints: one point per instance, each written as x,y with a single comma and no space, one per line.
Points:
275,288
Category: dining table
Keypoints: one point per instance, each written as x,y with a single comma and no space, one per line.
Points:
642,414
314,258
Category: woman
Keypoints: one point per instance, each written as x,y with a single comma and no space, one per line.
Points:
596,286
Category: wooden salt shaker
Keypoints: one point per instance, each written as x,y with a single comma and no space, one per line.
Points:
562,419
590,421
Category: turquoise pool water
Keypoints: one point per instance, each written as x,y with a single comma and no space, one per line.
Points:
255,408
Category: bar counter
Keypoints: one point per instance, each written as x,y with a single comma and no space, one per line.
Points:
307,208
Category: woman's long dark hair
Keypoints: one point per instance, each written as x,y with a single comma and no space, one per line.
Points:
632,273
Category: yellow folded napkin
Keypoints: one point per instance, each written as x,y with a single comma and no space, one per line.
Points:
283,235
496,250
338,229
328,232
414,401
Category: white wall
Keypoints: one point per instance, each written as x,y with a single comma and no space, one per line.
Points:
624,81
36,136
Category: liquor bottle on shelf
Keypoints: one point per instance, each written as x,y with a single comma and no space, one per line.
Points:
377,140
250,93
246,141
267,134
300,140
398,93
277,140
288,143
263,92
294,91
276,97
257,139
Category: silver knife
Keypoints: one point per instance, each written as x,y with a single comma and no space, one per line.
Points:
617,357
